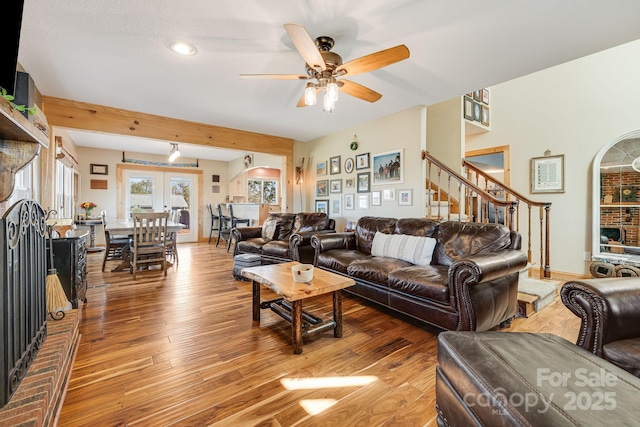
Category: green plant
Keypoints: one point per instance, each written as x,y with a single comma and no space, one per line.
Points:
10,98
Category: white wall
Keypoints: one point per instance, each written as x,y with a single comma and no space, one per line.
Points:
572,109
402,130
445,133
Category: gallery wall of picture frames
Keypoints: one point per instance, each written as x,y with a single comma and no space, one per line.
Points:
353,189
476,107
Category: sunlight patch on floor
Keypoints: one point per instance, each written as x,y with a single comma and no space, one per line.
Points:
327,382
316,406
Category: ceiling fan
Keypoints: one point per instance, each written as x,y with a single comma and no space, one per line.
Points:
325,69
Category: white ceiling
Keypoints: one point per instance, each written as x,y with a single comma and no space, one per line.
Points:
116,53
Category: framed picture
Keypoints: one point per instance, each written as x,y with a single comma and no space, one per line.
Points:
215,188
468,108
363,201
389,194
322,206
215,178
485,96
364,179
477,111
335,165
321,168
362,161
99,184
348,165
322,188
335,207
349,202
387,168
485,115
405,197
547,174
99,169
477,95
335,186
375,198
350,183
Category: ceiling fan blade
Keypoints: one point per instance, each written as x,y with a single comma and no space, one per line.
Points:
375,60
275,76
306,46
359,91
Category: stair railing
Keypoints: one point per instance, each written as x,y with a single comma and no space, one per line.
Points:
482,179
485,200
462,197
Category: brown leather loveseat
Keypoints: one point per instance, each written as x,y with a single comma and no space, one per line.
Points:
282,237
470,282
610,313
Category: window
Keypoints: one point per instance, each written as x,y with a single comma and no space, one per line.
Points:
141,194
24,184
262,191
64,190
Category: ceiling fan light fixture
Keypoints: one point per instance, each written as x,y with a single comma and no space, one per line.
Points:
332,91
175,153
310,95
328,104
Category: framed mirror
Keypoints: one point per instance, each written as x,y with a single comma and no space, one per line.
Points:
616,202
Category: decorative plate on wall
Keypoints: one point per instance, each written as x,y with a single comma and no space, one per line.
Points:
348,165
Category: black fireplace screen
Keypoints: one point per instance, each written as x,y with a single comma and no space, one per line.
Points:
23,275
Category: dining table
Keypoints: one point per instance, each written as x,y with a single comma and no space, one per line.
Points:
124,227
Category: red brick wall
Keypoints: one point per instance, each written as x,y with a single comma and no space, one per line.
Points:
626,214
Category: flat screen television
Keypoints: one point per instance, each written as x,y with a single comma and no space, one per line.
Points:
10,42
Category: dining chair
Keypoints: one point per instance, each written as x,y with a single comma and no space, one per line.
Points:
172,236
223,225
113,244
214,221
235,221
149,241
172,247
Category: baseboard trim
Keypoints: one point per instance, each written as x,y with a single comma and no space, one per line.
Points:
563,276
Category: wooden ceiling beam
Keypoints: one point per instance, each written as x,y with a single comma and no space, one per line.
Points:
98,118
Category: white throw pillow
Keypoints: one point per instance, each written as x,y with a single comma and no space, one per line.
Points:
414,249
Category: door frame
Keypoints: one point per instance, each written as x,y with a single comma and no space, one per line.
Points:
120,168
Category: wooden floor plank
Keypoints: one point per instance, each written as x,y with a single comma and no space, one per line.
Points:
184,350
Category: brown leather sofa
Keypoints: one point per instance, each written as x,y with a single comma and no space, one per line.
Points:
525,379
282,237
470,284
610,313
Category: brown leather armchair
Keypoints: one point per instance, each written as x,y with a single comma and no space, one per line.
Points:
610,312
282,237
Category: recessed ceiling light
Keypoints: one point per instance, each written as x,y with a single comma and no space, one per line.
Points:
183,48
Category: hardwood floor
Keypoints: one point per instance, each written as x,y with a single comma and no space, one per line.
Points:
183,350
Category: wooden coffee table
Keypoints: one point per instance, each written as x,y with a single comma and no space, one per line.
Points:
279,279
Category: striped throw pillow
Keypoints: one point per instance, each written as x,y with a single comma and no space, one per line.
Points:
414,249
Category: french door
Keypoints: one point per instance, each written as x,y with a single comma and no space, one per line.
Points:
158,191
